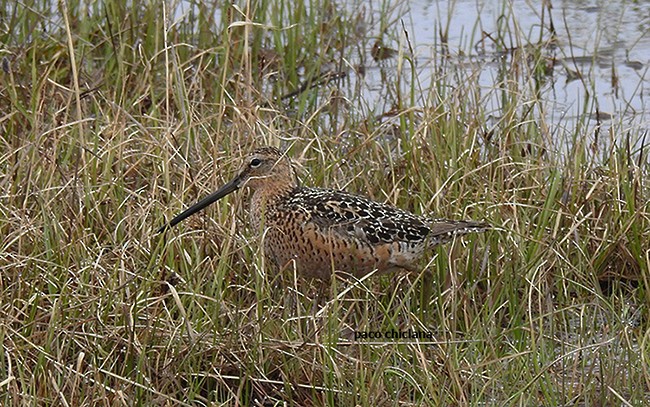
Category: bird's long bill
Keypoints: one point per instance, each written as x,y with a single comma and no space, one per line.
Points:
208,200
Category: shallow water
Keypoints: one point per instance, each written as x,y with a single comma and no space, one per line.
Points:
598,63
600,40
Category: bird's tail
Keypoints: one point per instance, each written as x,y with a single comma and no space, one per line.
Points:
443,230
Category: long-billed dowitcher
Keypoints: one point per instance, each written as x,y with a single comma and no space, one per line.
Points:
322,230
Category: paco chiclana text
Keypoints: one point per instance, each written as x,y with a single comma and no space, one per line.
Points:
392,334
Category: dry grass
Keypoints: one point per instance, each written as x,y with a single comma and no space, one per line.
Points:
152,113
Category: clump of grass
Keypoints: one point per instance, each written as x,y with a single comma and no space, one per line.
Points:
153,112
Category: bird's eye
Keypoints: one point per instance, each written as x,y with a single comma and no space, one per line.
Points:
255,162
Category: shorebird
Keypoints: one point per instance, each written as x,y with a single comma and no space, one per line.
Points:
319,231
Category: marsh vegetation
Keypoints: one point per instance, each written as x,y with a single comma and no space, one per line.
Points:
116,115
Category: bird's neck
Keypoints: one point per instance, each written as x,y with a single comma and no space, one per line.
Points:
264,201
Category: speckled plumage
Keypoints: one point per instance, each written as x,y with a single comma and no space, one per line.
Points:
321,230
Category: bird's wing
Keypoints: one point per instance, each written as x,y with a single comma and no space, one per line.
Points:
360,218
